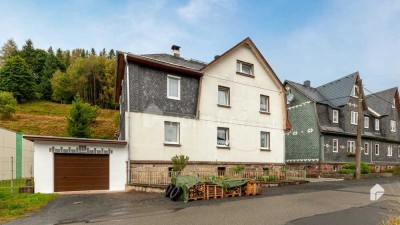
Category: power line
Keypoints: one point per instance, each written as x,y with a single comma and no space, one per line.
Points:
242,83
390,103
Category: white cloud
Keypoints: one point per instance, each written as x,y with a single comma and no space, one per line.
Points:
196,10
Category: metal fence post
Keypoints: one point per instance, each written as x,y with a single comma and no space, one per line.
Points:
12,175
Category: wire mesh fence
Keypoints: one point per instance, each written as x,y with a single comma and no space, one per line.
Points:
15,173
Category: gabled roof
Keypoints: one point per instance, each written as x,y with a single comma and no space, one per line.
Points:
310,92
247,41
381,102
339,91
191,63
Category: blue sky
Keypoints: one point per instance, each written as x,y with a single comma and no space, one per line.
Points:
316,40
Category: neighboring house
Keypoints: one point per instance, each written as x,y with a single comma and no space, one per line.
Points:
324,126
230,111
16,156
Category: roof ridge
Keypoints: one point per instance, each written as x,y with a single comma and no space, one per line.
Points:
380,92
334,81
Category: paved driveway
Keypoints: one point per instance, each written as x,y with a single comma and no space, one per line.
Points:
342,202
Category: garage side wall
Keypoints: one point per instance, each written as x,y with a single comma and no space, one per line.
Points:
44,162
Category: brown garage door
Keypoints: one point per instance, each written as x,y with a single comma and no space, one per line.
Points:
81,172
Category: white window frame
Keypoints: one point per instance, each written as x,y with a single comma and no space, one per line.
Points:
354,118
351,146
227,142
393,126
353,92
390,150
335,148
377,125
267,103
268,144
376,148
228,93
177,133
169,77
366,148
239,67
366,122
335,116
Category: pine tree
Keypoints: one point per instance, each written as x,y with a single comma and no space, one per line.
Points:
60,55
28,53
9,49
111,54
81,116
67,58
103,52
93,52
50,50
17,78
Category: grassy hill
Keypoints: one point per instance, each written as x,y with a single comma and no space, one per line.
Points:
49,118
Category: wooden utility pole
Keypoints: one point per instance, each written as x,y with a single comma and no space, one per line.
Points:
359,128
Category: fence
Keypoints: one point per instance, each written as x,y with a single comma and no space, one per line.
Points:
15,173
164,177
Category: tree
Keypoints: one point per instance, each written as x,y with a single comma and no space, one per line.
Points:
8,105
111,54
39,64
93,52
67,58
51,65
17,78
60,55
8,50
29,54
81,116
103,53
50,50
61,84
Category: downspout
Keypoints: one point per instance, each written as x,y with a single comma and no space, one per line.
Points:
128,137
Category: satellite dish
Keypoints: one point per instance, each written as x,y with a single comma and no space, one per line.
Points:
290,97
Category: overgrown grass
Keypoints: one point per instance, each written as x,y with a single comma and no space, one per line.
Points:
5,186
49,118
392,221
19,205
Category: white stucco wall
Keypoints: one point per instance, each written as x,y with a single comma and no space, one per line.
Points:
198,137
44,164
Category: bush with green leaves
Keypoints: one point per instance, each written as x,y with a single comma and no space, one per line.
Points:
238,168
179,162
346,171
365,168
81,116
8,105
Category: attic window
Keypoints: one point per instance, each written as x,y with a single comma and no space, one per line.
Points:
355,91
244,68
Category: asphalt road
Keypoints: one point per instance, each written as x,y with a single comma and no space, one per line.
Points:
328,203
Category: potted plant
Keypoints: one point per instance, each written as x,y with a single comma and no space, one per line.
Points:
351,154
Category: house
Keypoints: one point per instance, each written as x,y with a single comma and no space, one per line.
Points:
227,112
324,125
16,156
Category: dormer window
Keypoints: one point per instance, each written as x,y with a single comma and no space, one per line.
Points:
335,116
355,91
244,68
377,124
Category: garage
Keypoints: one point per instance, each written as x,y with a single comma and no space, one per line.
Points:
74,172
65,164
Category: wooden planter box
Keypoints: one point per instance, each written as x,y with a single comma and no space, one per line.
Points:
253,188
231,192
197,192
214,191
29,190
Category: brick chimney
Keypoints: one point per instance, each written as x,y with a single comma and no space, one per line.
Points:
175,50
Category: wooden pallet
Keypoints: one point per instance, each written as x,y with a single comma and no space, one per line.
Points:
231,192
253,187
197,192
214,191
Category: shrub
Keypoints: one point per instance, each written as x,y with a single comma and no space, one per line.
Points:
365,168
238,168
8,105
81,116
346,171
397,170
179,162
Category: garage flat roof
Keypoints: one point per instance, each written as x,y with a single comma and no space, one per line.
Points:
74,140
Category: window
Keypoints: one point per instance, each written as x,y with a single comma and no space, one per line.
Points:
366,122
265,138
264,103
171,132
221,171
173,87
355,91
335,145
366,148
354,118
376,149
351,146
335,116
223,96
389,150
393,126
376,124
246,68
223,136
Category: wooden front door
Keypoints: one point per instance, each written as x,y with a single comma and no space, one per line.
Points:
74,172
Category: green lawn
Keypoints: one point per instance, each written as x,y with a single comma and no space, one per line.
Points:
19,205
5,186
